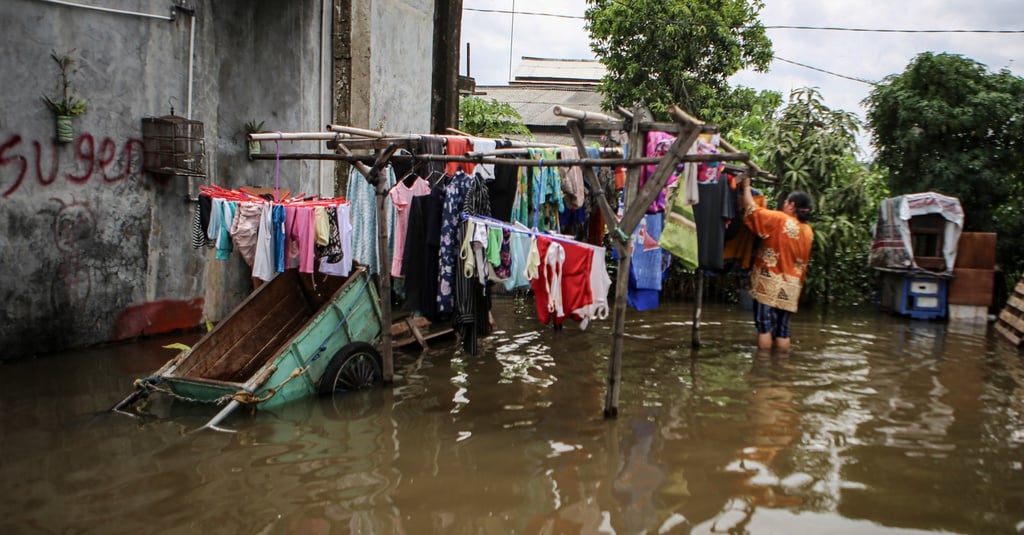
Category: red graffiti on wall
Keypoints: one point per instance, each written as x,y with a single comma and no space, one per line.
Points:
90,160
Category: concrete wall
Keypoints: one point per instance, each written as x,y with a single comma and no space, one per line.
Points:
92,248
401,66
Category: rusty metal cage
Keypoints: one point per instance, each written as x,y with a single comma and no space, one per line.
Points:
173,145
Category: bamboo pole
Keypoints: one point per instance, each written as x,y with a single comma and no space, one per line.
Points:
611,401
697,309
384,256
372,175
358,131
294,136
471,158
581,115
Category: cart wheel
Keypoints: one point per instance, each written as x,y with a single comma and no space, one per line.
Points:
354,367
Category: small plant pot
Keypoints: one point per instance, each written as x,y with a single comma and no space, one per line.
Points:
254,147
65,129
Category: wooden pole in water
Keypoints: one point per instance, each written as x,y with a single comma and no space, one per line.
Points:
372,175
384,265
611,400
698,303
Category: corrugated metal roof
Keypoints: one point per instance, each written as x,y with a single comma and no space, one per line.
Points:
560,70
535,104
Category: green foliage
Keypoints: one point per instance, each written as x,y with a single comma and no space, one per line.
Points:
65,103
812,148
490,118
252,126
948,125
661,52
744,116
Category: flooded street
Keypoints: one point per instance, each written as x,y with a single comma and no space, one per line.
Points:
873,424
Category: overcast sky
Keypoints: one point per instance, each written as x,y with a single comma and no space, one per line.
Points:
495,49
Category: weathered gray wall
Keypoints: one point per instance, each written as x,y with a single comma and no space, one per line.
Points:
400,65
92,248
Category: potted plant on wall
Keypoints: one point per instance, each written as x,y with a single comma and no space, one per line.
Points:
65,104
251,127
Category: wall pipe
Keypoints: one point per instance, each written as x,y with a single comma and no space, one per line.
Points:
325,28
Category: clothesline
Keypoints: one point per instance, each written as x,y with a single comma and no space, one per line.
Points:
523,162
491,222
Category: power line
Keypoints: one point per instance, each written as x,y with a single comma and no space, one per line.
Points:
767,27
884,30
855,79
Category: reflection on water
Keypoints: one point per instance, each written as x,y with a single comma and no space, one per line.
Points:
874,424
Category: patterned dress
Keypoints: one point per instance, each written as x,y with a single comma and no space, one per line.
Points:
451,238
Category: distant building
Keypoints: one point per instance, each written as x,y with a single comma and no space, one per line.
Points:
541,84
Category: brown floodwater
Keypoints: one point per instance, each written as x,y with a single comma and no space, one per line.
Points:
873,424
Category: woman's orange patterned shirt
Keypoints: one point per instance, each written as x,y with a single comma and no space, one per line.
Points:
780,264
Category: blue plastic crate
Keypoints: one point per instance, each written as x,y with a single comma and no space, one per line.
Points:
923,297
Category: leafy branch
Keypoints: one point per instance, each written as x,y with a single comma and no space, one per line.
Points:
65,103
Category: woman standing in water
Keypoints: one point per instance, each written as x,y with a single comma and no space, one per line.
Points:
780,263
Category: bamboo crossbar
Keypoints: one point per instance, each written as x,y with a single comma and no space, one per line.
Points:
295,136
522,162
581,115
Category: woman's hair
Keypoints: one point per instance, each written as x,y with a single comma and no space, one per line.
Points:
802,205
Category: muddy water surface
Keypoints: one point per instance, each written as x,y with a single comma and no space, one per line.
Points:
873,424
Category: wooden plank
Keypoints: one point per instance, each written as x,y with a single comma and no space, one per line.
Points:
261,340
976,250
971,287
1012,320
1019,289
1013,338
416,332
219,342
1015,302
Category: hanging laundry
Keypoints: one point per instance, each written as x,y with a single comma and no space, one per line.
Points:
519,250
263,266
245,228
421,253
647,268
458,146
546,192
563,279
657,145
451,238
270,235
362,196
341,266
502,191
483,145
711,216
401,198
600,285
679,235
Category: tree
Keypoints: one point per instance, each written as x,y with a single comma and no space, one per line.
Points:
484,118
812,148
947,125
661,52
